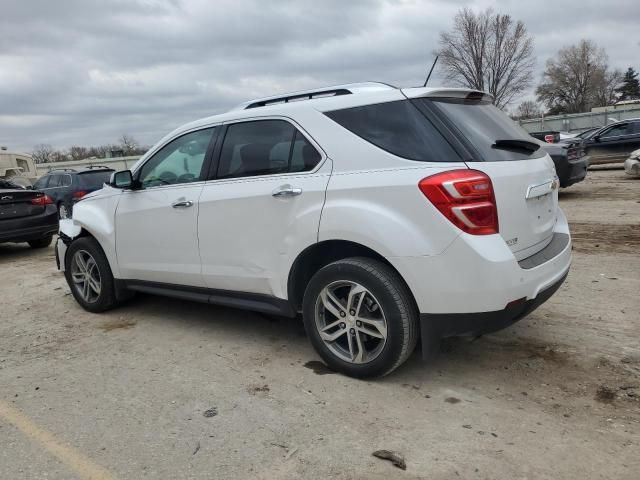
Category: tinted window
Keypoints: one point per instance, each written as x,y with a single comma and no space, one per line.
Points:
66,180
179,161
481,124
615,131
54,181
399,128
94,180
265,147
41,183
304,156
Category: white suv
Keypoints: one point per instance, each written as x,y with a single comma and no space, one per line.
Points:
381,214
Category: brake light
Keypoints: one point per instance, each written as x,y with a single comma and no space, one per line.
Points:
550,138
466,198
78,195
42,200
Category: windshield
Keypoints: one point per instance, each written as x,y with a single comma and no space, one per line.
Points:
481,124
94,180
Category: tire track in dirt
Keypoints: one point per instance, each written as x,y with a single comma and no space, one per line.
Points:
605,237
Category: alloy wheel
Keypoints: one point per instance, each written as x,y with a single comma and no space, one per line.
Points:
86,276
350,322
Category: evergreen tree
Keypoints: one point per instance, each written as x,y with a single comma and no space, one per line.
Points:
630,88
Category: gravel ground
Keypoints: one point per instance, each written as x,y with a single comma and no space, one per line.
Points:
124,394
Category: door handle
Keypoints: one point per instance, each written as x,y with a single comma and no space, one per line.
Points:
286,191
182,204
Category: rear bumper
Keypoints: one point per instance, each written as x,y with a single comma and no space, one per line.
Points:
434,326
34,227
481,274
576,172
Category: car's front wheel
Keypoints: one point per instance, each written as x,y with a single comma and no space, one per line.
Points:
360,317
89,276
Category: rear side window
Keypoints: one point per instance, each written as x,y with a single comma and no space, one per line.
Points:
480,123
399,128
265,147
94,180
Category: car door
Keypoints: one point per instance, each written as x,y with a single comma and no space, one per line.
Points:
156,224
608,145
262,206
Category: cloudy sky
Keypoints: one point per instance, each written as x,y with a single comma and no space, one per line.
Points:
86,71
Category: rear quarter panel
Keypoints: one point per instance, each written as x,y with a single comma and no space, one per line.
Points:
384,210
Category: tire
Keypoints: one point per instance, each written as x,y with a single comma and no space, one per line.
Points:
96,263
43,242
386,300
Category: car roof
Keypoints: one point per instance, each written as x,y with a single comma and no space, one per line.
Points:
321,99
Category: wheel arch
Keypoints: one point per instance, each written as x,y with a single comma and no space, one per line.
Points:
320,254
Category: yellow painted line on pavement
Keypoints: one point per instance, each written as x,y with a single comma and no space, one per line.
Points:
83,466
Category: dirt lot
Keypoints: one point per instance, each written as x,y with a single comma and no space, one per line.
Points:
124,394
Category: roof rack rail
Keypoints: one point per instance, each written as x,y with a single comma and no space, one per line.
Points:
91,167
333,91
61,169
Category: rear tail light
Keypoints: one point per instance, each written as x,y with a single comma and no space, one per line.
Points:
574,152
42,200
550,138
466,198
78,195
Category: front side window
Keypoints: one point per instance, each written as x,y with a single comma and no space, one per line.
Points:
54,181
179,161
265,147
615,131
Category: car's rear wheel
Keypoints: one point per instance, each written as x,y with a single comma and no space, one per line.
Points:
89,276
43,242
360,317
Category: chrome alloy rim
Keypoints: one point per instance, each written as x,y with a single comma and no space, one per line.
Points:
351,322
86,276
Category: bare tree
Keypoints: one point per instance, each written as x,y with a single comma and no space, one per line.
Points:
489,52
577,79
42,153
128,144
606,86
78,153
528,109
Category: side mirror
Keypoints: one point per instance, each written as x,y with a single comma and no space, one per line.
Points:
122,179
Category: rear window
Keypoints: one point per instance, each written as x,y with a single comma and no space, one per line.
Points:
480,123
94,179
399,128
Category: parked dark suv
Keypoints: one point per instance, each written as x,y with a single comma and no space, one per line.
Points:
67,186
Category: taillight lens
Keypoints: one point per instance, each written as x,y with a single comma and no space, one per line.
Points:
78,195
42,200
466,198
549,138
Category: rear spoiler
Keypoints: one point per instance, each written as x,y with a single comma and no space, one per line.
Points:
441,92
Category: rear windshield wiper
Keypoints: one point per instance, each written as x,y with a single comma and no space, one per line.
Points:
516,144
